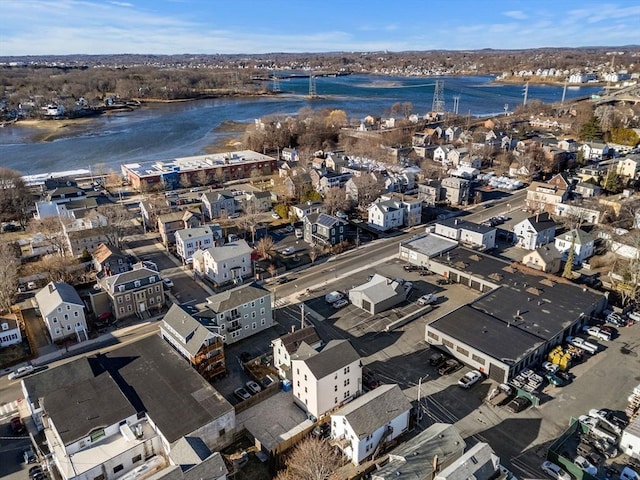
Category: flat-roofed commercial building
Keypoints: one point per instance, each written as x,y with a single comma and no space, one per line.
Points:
191,171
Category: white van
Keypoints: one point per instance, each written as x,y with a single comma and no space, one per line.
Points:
333,297
629,474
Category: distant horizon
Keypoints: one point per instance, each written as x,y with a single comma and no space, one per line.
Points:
253,27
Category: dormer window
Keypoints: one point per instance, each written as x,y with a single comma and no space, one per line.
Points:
152,279
136,284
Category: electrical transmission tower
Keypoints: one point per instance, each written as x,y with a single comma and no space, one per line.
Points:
456,103
312,86
438,97
525,93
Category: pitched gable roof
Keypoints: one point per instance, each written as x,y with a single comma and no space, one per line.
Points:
187,327
103,252
541,222
335,355
221,302
376,408
55,294
292,341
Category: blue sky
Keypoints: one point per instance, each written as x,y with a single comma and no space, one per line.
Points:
40,27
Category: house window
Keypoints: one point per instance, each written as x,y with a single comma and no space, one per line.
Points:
55,319
346,370
347,394
478,359
254,325
68,307
253,304
136,284
335,400
150,290
127,297
335,388
66,317
262,301
121,288
121,309
59,309
136,459
157,288
118,468
75,314
253,314
129,308
262,322
305,377
346,382
151,301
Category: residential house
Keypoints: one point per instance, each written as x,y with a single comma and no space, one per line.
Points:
37,245
594,150
535,231
591,173
360,191
331,180
582,243
378,294
545,258
363,427
394,211
568,144
83,241
106,415
189,240
109,260
416,458
286,346
296,184
520,170
400,182
441,154
356,170
324,229
256,201
170,223
452,133
385,215
218,204
629,166
480,462
582,214
226,263
149,212
588,190
290,154
544,197
430,192
469,234
307,208
10,332
285,168
324,380
62,310
239,312
455,155
203,348
336,162
456,190
140,291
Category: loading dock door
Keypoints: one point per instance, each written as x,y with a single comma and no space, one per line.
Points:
496,373
476,285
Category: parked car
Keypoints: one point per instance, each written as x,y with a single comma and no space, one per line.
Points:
469,379
168,283
437,359
241,394
554,471
427,299
233,215
369,381
17,426
450,365
36,471
342,215
443,281
333,297
616,319
583,344
518,404
275,215
585,465
629,474
554,380
321,431
29,456
253,387
409,267
289,251
343,302
597,332
283,279
634,315
20,372
550,367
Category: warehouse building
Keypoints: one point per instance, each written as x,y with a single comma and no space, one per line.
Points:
519,316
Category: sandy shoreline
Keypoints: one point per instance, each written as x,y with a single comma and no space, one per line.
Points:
49,130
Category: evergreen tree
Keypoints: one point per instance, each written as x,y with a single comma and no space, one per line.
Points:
590,131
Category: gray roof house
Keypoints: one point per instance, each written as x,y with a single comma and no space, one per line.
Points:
422,456
203,348
364,426
62,310
378,294
115,408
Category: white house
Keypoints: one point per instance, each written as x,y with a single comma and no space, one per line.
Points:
287,345
480,461
226,263
629,166
441,154
324,380
362,427
62,311
583,245
303,209
594,151
467,233
385,215
189,240
410,205
535,231
10,333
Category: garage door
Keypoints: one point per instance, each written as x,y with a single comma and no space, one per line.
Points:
496,373
476,285
464,280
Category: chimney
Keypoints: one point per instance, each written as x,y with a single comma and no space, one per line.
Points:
537,217
435,463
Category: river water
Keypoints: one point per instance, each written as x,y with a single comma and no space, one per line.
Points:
165,131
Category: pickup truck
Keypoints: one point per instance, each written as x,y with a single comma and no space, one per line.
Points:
469,379
450,365
583,344
501,395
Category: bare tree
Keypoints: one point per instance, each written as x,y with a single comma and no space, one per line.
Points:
118,220
313,254
9,277
15,198
312,459
369,188
335,199
50,229
204,178
265,247
272,269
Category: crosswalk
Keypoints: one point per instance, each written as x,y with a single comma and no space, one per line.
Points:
281,302
9,408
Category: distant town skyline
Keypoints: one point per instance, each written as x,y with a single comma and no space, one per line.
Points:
59,27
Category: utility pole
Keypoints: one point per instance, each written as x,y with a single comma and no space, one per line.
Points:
564,91
525,92
456,103
301,316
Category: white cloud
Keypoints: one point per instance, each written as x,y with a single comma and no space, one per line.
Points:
517,14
